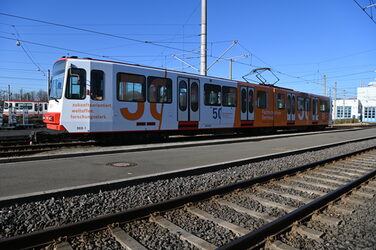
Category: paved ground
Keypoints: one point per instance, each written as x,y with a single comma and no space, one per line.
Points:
27,177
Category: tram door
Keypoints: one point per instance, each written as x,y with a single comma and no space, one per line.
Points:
188,99
291,107
315,108
247,103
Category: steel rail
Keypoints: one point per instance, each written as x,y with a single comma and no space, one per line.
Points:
108,186
163,147
256,237
17,150
48,235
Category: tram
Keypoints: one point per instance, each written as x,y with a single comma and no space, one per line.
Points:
105,98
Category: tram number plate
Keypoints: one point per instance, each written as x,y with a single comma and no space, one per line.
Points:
217,113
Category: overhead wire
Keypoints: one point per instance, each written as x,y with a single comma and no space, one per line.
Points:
120,37
134,40
65,49
363,9
23,78
27,51
95,32
176,34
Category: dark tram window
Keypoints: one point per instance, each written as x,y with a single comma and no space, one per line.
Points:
76,85
159,89
250,100
314,107
97,85
262,99
289,104
130,87
280,101
194,96
293,105
229,96
212,94
308,104
183,95
324,106
244,100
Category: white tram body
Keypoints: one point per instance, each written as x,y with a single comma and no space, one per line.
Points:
25,107
94,96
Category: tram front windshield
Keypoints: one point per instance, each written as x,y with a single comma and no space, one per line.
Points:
57,83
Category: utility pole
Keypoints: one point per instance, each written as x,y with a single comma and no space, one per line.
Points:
335,100
324,85
203,56
231,68
48,84
21,94
343,108
9,92
231,59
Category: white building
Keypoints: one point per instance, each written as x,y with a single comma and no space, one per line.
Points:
346,109
367,97
363,107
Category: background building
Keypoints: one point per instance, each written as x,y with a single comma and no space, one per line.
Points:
346,109
363,107
367,96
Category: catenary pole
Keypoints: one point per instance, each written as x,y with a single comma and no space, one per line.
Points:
48,84
335,100
203,56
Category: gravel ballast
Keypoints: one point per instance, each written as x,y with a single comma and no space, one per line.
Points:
154,236
356,230
203,229
30,217
97,240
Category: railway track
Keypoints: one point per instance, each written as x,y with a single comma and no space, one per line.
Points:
23,150
238,215
16,145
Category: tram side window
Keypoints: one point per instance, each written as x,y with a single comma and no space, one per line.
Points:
293,105
212,94
262,99
76,85
7,105
229,96
195,97
314,108
308,104
281,101
45,106
183,89
159,89
324,106
130,88
97,85
38,107
29,106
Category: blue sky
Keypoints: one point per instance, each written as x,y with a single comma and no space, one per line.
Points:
300,40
